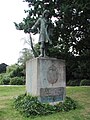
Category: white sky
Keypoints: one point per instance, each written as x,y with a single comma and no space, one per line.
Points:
10,38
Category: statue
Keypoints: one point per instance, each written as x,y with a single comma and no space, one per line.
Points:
43,24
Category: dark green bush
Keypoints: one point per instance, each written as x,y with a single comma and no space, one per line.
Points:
68,104
73,83
30,106
85,82
17,81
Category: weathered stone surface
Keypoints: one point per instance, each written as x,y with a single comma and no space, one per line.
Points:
46,78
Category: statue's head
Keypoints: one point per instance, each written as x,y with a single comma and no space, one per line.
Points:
46,14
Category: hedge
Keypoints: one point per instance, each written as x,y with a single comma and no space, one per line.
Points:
85,82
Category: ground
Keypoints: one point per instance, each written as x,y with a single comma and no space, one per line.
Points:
80,94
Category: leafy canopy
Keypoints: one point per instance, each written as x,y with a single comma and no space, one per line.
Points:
71,23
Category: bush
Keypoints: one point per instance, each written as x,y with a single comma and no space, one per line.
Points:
73,83
85,82
1,77
17,81
30,106
15,71
5,80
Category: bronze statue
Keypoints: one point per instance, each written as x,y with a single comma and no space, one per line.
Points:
43,23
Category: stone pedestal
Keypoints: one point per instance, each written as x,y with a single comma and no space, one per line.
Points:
46,78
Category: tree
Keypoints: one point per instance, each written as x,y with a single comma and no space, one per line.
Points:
72,25
15,70
26,54
34,47
71,35
3,67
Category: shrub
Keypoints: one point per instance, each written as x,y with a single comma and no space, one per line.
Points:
30,106
5,80
15,71
85,82
17,81
1,77
73,83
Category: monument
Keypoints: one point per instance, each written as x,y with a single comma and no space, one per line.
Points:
45,76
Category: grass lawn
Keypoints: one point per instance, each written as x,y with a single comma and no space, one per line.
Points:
80,94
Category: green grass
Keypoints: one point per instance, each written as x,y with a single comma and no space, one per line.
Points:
80,94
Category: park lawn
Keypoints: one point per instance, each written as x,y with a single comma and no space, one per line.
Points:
80,94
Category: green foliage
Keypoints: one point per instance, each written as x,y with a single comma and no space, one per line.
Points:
78,68
14,75
73,83
71,27
30,106
85,82
68,105
26,54
18,72
11,68
15,70
5,79
17,81
1,76
71,34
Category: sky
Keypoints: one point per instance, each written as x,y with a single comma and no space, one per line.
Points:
11,42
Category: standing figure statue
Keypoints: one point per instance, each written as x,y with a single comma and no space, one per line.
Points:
43,24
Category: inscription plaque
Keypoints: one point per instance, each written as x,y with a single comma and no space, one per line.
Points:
52,94
51,91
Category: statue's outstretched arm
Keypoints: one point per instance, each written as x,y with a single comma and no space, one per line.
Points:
36,24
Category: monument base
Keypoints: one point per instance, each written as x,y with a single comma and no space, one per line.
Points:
46,79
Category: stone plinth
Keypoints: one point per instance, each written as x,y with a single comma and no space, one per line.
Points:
46,78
